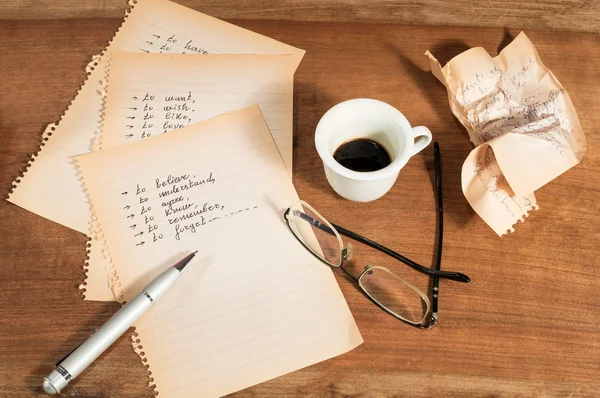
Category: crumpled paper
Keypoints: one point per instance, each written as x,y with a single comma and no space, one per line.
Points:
523,125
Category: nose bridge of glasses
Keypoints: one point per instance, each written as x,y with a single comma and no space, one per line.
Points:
347,252
369,269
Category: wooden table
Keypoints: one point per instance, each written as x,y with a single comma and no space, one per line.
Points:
526,324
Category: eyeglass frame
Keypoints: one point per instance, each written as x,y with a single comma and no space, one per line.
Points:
435,272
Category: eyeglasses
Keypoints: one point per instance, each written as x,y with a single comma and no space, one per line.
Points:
387,290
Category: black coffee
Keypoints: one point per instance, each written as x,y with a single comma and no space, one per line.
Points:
362,154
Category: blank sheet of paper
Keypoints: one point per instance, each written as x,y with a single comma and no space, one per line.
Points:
50,187
256,304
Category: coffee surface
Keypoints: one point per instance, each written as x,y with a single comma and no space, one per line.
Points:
362,154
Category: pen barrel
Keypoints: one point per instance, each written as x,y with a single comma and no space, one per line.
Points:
159,286
107,334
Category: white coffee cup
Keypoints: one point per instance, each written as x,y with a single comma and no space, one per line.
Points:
374,120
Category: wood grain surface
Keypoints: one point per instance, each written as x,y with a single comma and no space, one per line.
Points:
569,15
526,325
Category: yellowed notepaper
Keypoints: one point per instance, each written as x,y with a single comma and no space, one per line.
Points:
256,304
151,94
50,187
522,122
99,273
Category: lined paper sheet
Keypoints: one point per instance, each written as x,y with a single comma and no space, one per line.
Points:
256,304
97,285
151,94
50,187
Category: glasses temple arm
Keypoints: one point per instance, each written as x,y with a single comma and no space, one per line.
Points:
440,230
314,222
456,276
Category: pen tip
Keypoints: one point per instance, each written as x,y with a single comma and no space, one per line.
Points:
180,266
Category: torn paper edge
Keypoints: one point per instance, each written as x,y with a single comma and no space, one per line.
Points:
98,141
95,228
98,235
50,128
523,213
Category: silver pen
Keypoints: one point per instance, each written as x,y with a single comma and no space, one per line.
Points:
77,361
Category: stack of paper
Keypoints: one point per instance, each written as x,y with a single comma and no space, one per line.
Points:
257,304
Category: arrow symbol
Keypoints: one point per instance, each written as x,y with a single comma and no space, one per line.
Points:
128,136
134,98
130,126
126,207
132,226
130,216
131,117
141,243
149,42
146,51
133,109
157,36
139,233
124,193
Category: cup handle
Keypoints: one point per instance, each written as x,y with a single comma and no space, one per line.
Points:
422,137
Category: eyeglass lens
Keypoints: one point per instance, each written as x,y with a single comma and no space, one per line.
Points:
316,233
395,294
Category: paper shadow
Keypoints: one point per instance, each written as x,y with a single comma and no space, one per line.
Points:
429,84
426,81
309,106
447,50
437,96
507,38
23,160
